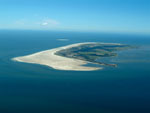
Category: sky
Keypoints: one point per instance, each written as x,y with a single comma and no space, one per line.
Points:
76,15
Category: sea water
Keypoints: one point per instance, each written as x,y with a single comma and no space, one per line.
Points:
32,88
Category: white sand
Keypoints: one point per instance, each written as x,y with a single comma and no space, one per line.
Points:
63,39
49,58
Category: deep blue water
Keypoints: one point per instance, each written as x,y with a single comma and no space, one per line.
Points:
31,88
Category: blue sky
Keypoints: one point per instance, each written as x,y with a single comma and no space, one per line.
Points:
76,15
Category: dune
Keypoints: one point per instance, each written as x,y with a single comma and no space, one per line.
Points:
49,58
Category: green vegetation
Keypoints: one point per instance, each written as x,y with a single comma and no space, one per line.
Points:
91,52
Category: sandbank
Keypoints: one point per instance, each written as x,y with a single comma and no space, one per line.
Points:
49,58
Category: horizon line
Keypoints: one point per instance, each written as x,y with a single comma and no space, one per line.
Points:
84,31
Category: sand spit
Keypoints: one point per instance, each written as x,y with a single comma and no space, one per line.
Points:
49,58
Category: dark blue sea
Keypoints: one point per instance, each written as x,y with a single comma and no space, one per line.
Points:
32,88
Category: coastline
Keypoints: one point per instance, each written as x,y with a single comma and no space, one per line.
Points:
49,58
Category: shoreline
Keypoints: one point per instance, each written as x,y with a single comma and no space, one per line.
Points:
50,59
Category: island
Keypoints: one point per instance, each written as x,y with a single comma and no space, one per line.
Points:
75,56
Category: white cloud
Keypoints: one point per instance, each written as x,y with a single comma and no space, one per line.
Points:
44,24
49,22
38,23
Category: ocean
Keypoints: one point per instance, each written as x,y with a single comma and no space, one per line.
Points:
32,88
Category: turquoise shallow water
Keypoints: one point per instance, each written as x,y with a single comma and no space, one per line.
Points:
30,88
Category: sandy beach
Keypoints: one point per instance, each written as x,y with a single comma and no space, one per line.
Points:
49,58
